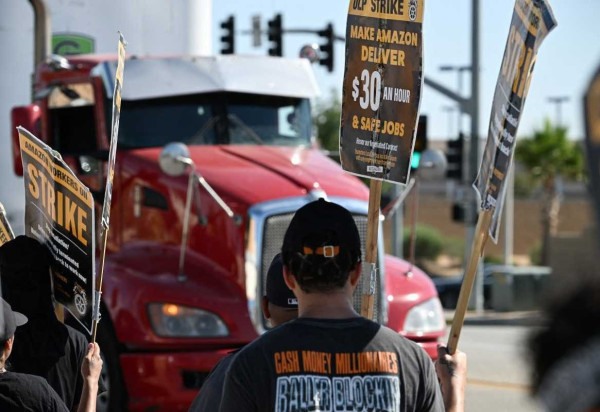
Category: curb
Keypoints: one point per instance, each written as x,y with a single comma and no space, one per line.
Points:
492,318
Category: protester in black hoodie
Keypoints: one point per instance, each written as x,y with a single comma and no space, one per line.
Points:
46,347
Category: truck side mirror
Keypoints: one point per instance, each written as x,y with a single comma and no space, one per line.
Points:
28,117
432,165
174,159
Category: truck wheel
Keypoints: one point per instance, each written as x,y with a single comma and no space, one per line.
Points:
115,397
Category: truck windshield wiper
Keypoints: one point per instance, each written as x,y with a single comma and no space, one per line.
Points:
245,128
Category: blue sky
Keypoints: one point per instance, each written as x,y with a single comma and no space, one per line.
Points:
566,61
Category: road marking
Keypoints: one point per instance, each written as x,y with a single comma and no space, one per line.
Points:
499,385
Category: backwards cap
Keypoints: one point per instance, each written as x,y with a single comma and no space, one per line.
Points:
322,219
277,291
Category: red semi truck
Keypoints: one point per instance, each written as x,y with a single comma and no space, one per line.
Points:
217,151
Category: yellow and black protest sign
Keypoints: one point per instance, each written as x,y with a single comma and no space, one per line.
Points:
532,20
591,103
382,87
6,232
116,114
59,212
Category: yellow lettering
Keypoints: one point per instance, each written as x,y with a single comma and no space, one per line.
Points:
33,185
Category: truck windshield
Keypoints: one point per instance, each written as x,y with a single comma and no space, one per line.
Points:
217,118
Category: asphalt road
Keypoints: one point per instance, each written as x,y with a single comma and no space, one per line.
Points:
498,369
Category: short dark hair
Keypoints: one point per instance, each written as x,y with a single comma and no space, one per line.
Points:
316,273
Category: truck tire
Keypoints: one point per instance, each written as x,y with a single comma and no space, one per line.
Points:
115,398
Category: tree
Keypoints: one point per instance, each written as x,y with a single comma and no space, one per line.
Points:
327,121
548,156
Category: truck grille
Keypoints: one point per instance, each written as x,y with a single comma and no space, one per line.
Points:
273,232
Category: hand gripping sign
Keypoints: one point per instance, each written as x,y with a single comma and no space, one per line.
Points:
531,22
383,78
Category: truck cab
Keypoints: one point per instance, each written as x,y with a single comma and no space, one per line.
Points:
215,154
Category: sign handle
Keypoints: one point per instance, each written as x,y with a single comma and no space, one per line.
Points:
96,310
369,283
481,236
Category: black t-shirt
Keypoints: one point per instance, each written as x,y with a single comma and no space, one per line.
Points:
27,393
331,365
55,356
209,398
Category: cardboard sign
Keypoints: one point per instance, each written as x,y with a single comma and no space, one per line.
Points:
591,104
59,213
116,114
382,85
6,232
532,20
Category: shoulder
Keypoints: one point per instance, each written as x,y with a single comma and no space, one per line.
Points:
76,336
386,334
28,386
16,378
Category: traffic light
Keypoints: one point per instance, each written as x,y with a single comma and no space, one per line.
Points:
327,47
454,156
421,142
228,39
275,36
458,212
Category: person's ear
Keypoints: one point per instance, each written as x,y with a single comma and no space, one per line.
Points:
264,304
355,275
289,279
8,347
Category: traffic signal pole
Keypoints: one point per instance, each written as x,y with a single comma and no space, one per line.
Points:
477,299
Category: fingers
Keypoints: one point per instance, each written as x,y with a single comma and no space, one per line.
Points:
443,354
452,363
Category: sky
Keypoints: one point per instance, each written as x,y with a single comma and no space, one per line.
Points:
567,58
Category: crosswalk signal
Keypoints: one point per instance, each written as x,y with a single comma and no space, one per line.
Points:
327,47
228,39
421,142
275,33
454,156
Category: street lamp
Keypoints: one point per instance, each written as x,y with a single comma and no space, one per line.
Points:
558,101
450,110
460,69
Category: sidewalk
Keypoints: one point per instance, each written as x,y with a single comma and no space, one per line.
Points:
492,317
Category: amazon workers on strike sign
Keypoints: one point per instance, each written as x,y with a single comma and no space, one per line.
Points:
382,88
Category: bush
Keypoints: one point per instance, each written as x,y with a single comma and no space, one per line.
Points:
454,247
428,243
535,254
493,259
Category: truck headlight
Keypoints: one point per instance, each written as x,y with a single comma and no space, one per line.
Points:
170,320
425,317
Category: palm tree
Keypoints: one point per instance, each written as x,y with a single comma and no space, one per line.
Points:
547,156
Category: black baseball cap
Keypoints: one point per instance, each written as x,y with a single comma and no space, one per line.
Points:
322,219
277,291
10,321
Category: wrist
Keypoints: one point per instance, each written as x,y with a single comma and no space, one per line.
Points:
91,383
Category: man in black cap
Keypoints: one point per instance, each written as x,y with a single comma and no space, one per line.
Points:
279,305
47,347
330,358
23,392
